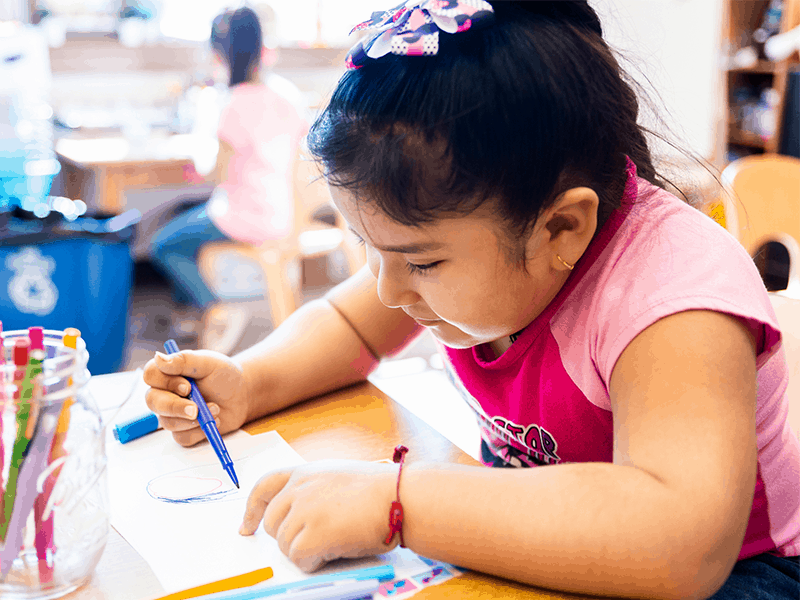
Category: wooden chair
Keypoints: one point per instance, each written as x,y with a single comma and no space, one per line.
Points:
762,203
763,198
280,261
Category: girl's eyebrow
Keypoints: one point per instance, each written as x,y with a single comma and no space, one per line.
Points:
408,248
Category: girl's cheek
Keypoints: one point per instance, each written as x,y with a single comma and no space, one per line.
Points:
374,262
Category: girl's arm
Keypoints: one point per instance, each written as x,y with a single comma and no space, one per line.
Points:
224,156
325,345
666,519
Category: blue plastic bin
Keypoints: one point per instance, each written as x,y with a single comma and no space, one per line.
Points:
60,274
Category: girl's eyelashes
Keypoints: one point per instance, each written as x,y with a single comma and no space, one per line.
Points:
414,269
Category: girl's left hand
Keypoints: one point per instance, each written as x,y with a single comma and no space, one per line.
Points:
325,510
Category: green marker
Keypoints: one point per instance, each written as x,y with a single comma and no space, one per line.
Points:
28,365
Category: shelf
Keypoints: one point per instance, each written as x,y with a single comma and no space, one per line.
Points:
741,19
744,138
762,67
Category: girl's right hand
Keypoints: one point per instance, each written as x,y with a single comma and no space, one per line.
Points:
219,379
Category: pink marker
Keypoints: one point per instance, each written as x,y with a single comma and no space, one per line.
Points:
44,529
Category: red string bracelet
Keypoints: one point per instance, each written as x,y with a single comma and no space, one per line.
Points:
396,511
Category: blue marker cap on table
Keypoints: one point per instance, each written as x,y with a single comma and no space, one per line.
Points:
288,590
207,423
135,428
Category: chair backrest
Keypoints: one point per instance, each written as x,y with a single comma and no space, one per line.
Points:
762,255
312,196
764,198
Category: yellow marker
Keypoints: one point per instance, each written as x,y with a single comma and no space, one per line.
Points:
70,340
224,585
70,337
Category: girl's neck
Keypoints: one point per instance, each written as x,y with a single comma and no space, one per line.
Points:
504,343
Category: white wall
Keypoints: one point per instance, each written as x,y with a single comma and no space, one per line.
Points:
676,45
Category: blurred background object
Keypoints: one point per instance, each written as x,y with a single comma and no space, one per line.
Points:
122,106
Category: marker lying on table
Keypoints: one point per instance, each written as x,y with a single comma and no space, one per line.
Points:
207,422
135,428
343,585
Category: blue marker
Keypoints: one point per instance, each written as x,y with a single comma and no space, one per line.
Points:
135,428
207,422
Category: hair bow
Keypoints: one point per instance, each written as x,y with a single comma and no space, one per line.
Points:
412,28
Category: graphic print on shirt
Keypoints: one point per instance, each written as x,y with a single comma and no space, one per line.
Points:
513,444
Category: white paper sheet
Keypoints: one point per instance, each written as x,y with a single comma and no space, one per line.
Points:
430,396
179,511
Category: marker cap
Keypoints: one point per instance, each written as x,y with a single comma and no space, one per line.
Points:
135,428
21,348
36,335
70,337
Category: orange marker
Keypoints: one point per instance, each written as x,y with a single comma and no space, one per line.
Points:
43,540
223,585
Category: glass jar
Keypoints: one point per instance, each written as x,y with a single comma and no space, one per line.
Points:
61,521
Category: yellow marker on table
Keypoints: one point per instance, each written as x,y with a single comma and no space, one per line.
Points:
223,585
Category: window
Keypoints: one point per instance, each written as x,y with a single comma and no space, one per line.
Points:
299,22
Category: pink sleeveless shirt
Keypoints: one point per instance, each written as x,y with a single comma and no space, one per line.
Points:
265,129
546,400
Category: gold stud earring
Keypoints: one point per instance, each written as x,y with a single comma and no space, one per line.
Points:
565,263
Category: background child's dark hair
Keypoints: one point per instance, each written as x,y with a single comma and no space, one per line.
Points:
521,111
236,36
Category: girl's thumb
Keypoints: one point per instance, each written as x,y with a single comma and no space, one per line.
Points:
186,362
168,364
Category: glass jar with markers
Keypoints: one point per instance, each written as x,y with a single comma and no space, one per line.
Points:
54,499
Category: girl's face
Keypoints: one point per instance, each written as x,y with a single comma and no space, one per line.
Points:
454,276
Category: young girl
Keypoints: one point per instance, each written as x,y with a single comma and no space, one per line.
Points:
259,134
607,335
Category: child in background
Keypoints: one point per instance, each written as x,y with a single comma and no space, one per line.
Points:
617,346
259,135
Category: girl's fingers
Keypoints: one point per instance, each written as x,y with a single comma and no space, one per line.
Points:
188,363
189,437
287,529
276,515
173,424
167,404
304,554
263,492
157,379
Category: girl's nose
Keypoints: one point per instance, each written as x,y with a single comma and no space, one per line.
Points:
394,290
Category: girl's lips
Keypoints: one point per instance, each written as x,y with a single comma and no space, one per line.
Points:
427,322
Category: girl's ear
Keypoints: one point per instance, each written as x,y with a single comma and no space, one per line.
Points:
570,225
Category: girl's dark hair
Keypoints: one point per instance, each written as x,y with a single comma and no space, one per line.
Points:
236,36
519,111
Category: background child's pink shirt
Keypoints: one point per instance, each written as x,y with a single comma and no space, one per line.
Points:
545,400
265,129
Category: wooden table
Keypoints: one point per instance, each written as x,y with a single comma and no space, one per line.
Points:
100,170
359,422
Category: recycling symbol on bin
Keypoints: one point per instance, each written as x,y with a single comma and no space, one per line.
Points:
31,289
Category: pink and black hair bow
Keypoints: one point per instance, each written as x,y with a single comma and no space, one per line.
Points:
412,28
